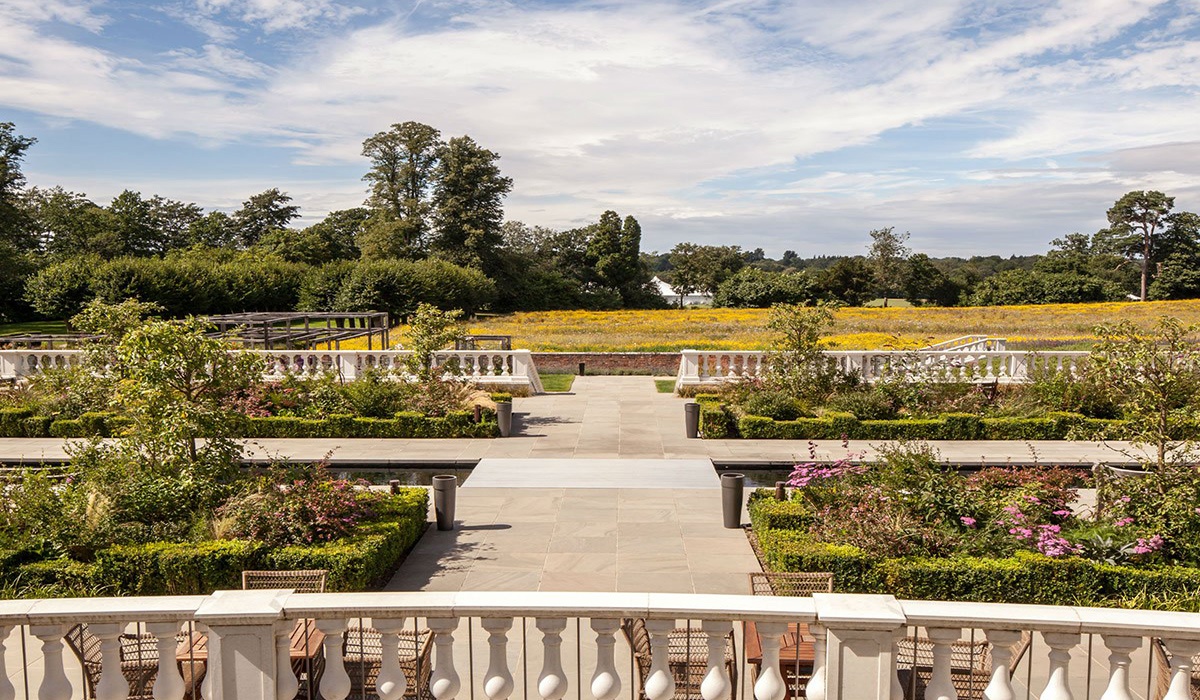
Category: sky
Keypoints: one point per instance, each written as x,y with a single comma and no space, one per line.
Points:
979,127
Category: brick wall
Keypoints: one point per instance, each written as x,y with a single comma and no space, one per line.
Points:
658,363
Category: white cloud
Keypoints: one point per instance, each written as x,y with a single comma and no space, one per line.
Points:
641,106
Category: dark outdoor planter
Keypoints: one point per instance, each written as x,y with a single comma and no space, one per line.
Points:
445,492
691,419
504,417
732,494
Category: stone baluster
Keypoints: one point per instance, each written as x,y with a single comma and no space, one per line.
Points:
770,685
815,690
896,691
1000,685
168,684
112,685
606,683
552,682
1060,643
660,683
716,684
444,683
1119,649
477,367
286,683
940,686
7,691
55,685
335,682
498,680
1182,651
391,684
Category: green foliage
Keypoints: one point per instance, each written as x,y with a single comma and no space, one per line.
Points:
398,286
1154,378
703,268
60,290
777,405
798,365
752,287
716,420
1034,287
430,330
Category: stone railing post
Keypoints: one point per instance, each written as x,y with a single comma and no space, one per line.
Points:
242,659
860,661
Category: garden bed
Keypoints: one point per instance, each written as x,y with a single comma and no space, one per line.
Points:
909,528
362,560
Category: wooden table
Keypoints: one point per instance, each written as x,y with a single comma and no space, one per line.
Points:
796,654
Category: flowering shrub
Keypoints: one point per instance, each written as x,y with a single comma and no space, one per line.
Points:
908,503
306,507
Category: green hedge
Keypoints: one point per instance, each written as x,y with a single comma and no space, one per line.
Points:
952,426
356,563
1026,577
459,424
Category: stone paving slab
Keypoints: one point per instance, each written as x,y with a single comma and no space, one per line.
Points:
583,539
582,473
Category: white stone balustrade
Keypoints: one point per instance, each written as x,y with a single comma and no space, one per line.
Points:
699,367
857,656
501,368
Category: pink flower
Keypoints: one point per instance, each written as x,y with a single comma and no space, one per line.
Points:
1123,499
1062,513
967,520
1146,546
1123,522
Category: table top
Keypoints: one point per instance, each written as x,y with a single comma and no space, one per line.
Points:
306,642
797,646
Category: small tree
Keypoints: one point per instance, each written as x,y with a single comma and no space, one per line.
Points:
1155,379
888,259
798,366
430,330
1139,216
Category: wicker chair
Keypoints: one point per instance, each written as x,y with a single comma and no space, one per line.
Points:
301,581
970,665
139,663
363,656
790,584
687,655
1163,664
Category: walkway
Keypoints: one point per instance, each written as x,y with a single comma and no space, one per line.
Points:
610,417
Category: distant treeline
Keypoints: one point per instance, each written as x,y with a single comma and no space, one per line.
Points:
432,229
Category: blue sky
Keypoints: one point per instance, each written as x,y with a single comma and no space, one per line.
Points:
980,127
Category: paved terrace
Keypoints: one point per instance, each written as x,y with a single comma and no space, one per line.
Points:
611,417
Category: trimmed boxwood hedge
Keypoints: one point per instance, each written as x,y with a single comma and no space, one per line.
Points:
951,426
459,424
1027,577
356,563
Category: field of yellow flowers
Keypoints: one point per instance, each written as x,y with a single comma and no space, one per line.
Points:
1051,326
1046,327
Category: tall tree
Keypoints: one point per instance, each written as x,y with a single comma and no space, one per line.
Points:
266,211
403,169
1139,216
71,224
888,257
14,224
702,268
613,255
468,202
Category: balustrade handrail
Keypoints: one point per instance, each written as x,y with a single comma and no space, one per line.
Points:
854,640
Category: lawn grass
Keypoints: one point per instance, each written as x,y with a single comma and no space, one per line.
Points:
665,386
1046,327
33,327
557,382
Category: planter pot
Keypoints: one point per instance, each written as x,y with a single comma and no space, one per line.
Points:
445,491
732,496
504,417
691,419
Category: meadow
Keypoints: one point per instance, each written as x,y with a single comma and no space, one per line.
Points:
1047,327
